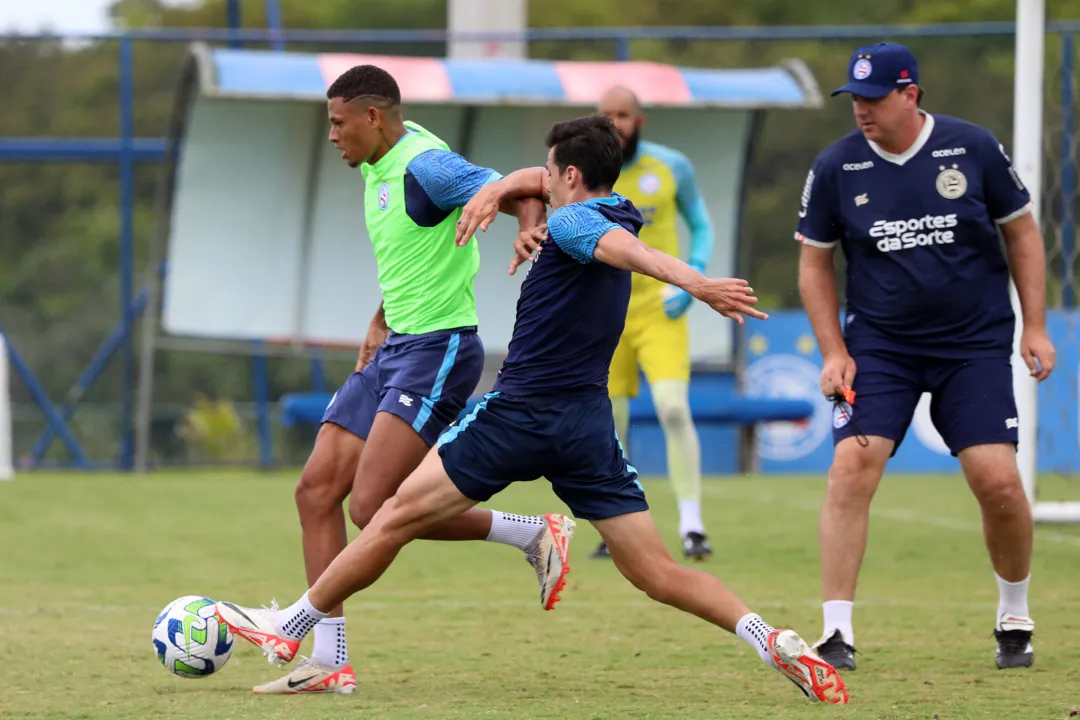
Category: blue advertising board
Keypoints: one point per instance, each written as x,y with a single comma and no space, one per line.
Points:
783,360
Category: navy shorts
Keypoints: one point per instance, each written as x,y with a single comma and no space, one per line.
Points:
971,401
426,380
570,441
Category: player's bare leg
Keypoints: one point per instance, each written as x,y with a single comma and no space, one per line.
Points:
323,486
994,478
639,552
845,517
395,450
427,498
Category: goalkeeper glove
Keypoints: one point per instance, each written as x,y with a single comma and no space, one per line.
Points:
676,300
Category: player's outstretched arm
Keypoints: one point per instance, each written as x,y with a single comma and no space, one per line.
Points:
482,208
731,297
1024,247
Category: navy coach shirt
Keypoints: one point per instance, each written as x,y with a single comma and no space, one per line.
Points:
926,273
572,308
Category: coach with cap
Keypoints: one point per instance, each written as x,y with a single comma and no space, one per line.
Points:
916,202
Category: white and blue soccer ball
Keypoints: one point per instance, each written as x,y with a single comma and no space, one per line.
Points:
190,638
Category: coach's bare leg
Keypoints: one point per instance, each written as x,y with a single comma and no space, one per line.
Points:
394,451
994,478
843,527
845,515
320,492
639,552
424,500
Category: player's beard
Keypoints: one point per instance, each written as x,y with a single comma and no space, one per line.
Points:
631,148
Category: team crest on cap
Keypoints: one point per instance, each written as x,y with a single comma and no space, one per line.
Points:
862,68
384,195
951,183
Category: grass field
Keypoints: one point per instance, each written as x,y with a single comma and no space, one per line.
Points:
455,630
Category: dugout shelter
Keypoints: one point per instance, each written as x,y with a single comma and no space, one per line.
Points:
261,224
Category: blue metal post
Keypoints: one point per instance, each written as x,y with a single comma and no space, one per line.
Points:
233,20
42,399
622,48
260,375
273,24
318,374
1068,169
93,370
127,248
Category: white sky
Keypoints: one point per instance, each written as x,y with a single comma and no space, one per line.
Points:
32,16
54,15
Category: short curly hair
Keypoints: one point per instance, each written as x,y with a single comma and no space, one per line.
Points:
365,81
591,144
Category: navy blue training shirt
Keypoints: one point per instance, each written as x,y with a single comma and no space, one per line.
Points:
926,273
572,309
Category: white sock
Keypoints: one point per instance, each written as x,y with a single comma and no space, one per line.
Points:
755,632
690,517
297,620
838,617
1012,598
330,648
516,530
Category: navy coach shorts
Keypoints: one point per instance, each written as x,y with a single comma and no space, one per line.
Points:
971,401
570,441
426,380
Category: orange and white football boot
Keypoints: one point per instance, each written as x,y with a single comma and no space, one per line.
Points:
311,677
815,677
549,554
256,625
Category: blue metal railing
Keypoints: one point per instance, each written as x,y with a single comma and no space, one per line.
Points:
128,150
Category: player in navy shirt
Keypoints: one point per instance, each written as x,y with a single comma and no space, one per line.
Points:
549,414
916,202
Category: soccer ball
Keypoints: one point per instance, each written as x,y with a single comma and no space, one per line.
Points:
190,638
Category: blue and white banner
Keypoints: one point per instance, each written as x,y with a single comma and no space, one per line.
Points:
783,360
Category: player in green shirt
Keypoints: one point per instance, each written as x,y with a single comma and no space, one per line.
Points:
419,365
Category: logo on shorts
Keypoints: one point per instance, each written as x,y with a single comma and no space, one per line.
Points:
794,378
922,425
405,400
1012,423
384,195
951,183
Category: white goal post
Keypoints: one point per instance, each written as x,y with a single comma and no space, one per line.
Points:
1028,91
6,470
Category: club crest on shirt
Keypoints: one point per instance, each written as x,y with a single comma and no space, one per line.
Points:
951,183
648,184
384,195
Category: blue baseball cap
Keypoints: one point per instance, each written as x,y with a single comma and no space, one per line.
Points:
874,71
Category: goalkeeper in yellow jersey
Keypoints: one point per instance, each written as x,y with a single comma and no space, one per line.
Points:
660,182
